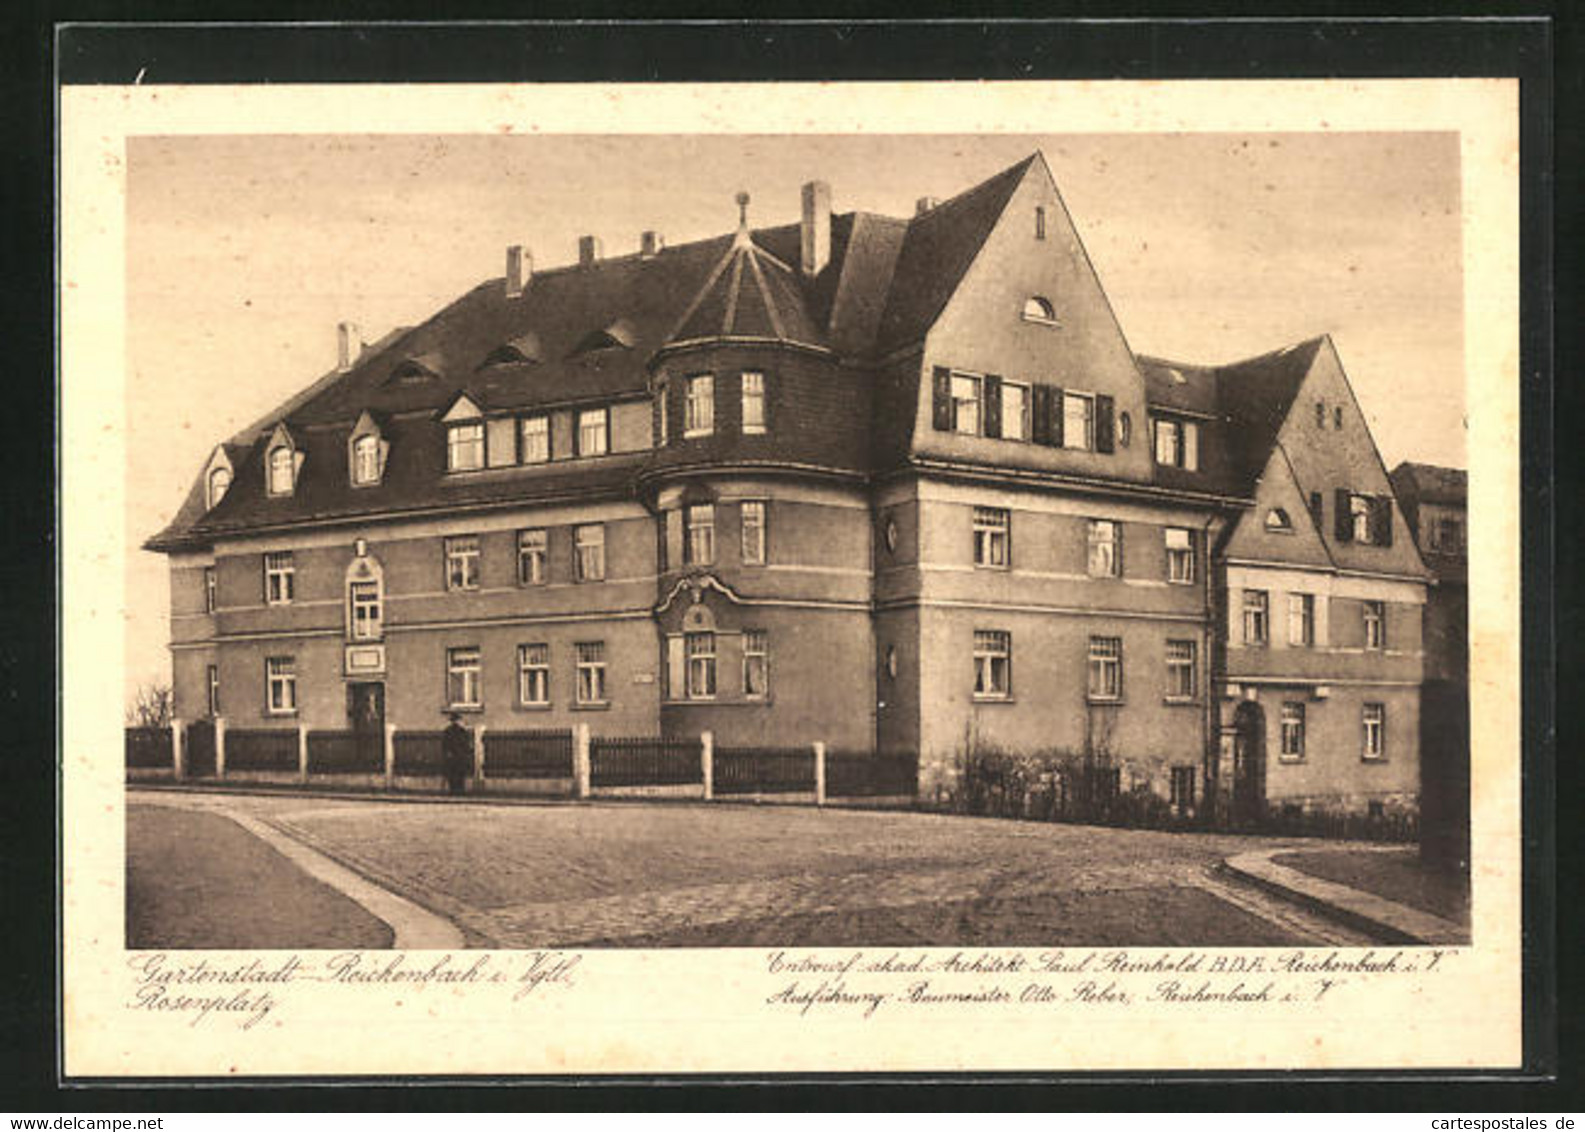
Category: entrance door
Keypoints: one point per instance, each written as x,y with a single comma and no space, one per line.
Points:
366,712
1249,763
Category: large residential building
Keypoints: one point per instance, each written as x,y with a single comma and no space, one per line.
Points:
899,485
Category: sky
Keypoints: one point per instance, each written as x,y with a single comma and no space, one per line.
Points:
244,252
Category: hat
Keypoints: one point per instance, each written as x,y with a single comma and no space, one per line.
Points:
454,716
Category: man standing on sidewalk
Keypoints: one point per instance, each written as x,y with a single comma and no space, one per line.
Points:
457,748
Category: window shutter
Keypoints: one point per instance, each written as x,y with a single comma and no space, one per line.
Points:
1383,532
1040,414
1343,520
941,385
675,666
1104,424
1056,417
993,406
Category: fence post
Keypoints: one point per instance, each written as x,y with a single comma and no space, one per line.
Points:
580,760
302,753
179,749
390,756
220,746
478,757
820,772
707,762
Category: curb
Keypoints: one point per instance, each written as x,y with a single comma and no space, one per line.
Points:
1387,920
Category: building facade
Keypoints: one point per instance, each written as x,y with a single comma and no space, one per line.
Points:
898,485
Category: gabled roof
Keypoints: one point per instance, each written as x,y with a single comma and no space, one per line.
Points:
938,249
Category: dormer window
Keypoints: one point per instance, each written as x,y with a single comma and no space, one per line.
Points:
282,462
219,483
1177,444
366,460
522,350
1038,308
1277,520
465,447
618,335
410,371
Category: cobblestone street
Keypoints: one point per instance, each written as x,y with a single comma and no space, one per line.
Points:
659,875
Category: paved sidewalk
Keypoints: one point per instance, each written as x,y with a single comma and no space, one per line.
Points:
1376,915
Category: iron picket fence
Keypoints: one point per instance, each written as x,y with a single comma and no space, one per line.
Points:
149,748
420,752
345,752
533,753
763,770
261,748
859,774
646,761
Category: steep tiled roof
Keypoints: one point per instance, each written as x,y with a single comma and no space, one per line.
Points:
750,294
1431,483
938,249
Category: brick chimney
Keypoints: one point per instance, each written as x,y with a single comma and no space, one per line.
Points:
649,244
349,345
519,270
925,204
815,246
589,250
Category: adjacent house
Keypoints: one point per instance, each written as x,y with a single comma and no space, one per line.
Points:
897,484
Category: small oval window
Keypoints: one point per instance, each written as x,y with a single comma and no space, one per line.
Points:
891,661
891,535
1037,308
1125,429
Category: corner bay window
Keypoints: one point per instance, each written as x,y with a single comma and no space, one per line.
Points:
210,593
1106,668
753,404
1105,549
699,530
462,562
993,664
752,513
992,537
465,447
1292,731
279,576
364,599
531,549
588,552
1375,728
1375,624
280,676
1255,617
1181,683
700,651
699,406
533,675
1180,555
462,677
756,664
591,672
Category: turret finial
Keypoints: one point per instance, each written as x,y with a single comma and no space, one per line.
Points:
742,210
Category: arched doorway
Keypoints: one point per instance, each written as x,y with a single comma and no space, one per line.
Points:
1249,763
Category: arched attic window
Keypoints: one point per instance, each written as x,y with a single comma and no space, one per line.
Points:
619,335
219,484
522,350
281,470
1038,308
1277,520
416,369
367,450
282,463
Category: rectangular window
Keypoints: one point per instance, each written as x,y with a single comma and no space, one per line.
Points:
279,578
1015,411
591,672
1078,421
365,601
1256,626
993,664
532,546
753,404
662,414
462,562
1182,790
992,538
283,470
533,675
1105,557
210,600
588,553
699,406
1375,737
1177,444
699,527
1447,535
280,675
594,432
1375,625
756,664
465,447
1180,555
754,541
700,648
1181,677
366,460
534,439
1106,668
1359,516
965,404
214,690
462,677
1301,620
1292,731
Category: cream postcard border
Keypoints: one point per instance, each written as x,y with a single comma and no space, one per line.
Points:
701,1011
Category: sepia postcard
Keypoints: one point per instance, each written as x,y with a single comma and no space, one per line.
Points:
790,578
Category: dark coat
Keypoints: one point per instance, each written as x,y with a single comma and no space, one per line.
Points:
457,747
